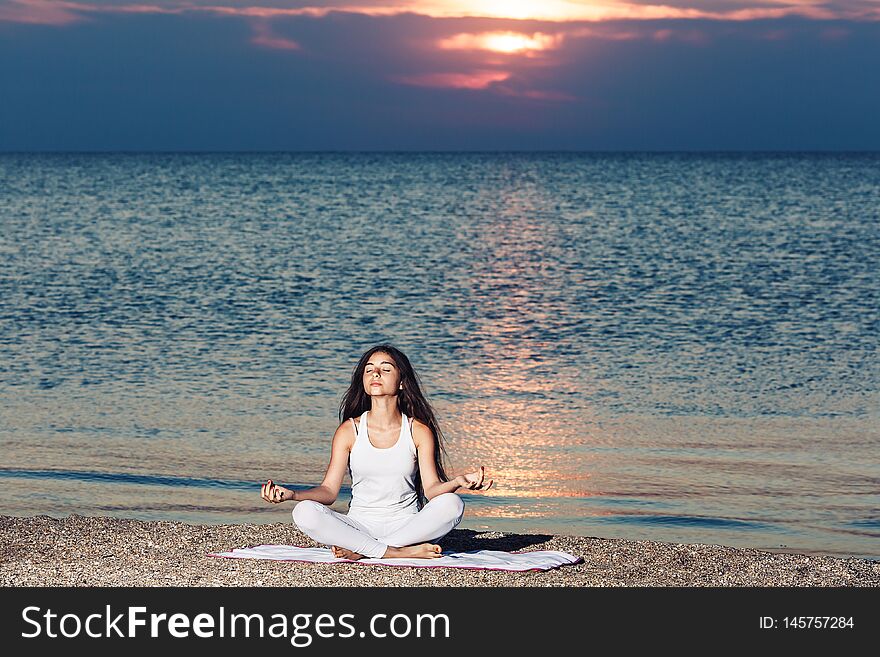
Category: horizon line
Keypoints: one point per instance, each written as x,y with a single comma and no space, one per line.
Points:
435,151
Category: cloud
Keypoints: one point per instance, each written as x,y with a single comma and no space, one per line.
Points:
560,11
696,37
468,80
40,12
265,37
538,94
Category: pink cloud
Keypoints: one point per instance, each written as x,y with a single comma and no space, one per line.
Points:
275,43
495,81
535,94
560,11
269,12
138,9
470,80
40,12
610,35
263,36
806,11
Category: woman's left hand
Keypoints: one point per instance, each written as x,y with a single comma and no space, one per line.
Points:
474,480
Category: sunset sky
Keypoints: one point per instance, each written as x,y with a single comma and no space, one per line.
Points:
262,75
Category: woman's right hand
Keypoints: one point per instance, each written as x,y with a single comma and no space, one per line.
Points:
274,493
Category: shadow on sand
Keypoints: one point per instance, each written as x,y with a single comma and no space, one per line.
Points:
466,540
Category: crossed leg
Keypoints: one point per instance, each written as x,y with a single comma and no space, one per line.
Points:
436,519
329,527
352,539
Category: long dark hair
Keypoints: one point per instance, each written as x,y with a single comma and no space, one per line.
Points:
411,401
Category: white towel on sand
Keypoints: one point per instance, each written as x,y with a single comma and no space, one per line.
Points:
479,560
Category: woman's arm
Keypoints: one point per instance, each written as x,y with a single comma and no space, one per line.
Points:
328,490
460,484
441,487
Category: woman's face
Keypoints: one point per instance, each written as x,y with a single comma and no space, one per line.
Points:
381,376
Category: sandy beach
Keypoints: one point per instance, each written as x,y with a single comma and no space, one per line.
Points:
100,551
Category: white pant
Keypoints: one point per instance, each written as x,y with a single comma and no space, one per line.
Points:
371,536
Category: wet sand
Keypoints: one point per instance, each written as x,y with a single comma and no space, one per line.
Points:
101,551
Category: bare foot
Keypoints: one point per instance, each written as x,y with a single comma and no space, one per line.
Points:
342,553
421,551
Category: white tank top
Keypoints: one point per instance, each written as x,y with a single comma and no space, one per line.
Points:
383,480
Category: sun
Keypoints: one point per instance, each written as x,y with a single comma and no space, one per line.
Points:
510,43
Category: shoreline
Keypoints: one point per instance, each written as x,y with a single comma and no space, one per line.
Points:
104,551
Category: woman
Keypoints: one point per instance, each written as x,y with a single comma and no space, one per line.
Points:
401,498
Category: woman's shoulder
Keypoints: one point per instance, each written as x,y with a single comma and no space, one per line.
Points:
420,431
346,432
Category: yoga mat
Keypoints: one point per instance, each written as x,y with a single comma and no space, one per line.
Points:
476,560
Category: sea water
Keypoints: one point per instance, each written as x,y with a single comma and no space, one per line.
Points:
674,347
